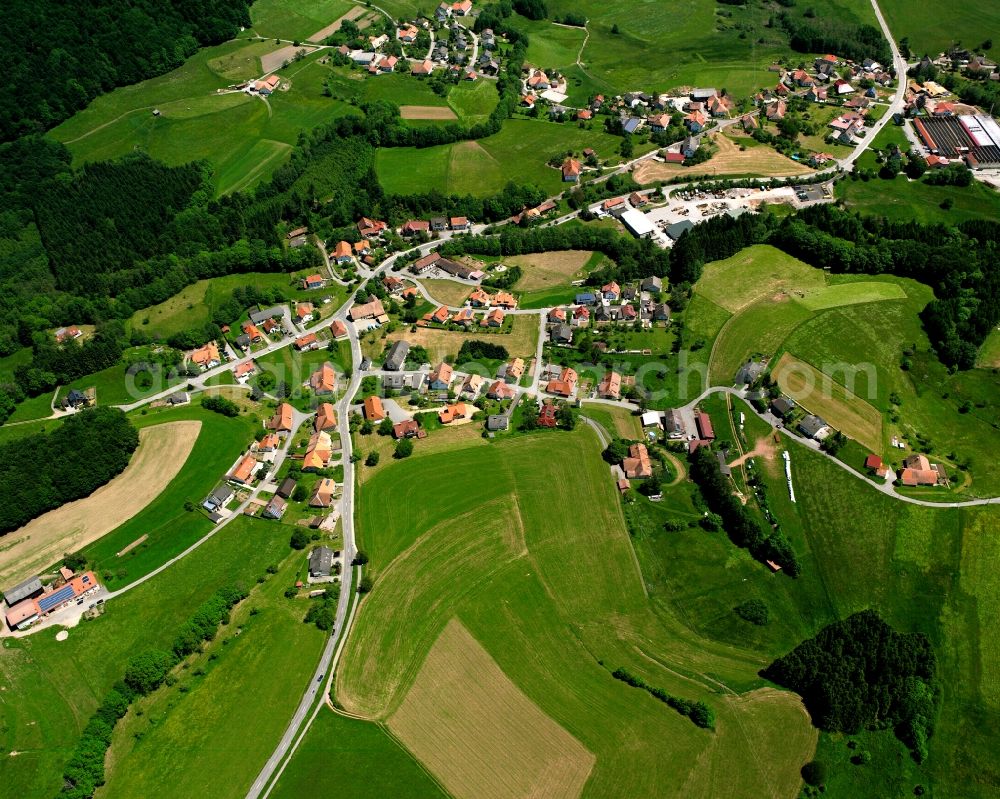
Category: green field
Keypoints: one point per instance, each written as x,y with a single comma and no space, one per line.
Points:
873,337
969,25
194,305
855,329
169,527
58,684
989,353
187,734
295,19
354,758
922,569
115,386
244,138
691,44
473,100
517,153
557,563
771,294
902,199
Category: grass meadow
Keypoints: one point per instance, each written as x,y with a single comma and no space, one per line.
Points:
989,353
694,43
186,735
519,153
295,19
169,527
357,758
874,337
968,24
924,570
58,684
855,329
194,305
902,200
533,560
244,138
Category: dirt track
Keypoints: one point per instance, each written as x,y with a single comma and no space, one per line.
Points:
163,450
322,33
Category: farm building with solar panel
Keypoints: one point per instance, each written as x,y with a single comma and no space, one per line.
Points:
975,138
29,602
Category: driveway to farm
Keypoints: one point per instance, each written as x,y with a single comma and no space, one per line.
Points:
886,488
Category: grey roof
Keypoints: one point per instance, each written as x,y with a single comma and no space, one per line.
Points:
29,587
262,316
811,425
287,487
750,371
703,94
321,562
675,230
652,283
562,332
631,124
782,406
723,466
397,356
497,422
276,506
396,381
222,494
673,421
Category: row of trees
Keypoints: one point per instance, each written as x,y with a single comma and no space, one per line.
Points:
742,526
633,258
144,673
860,673
835,34
701,715
45,470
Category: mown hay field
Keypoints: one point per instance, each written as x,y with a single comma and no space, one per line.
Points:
479,734
163,450
520,341
818,393
728,160
426,112
524,542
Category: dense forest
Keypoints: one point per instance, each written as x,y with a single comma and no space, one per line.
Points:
743,527
860,673
832,34
61,54
46,470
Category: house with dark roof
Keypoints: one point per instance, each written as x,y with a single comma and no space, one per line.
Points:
814,427
498,421
321,562
750,372
782,406
397,356
275,508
